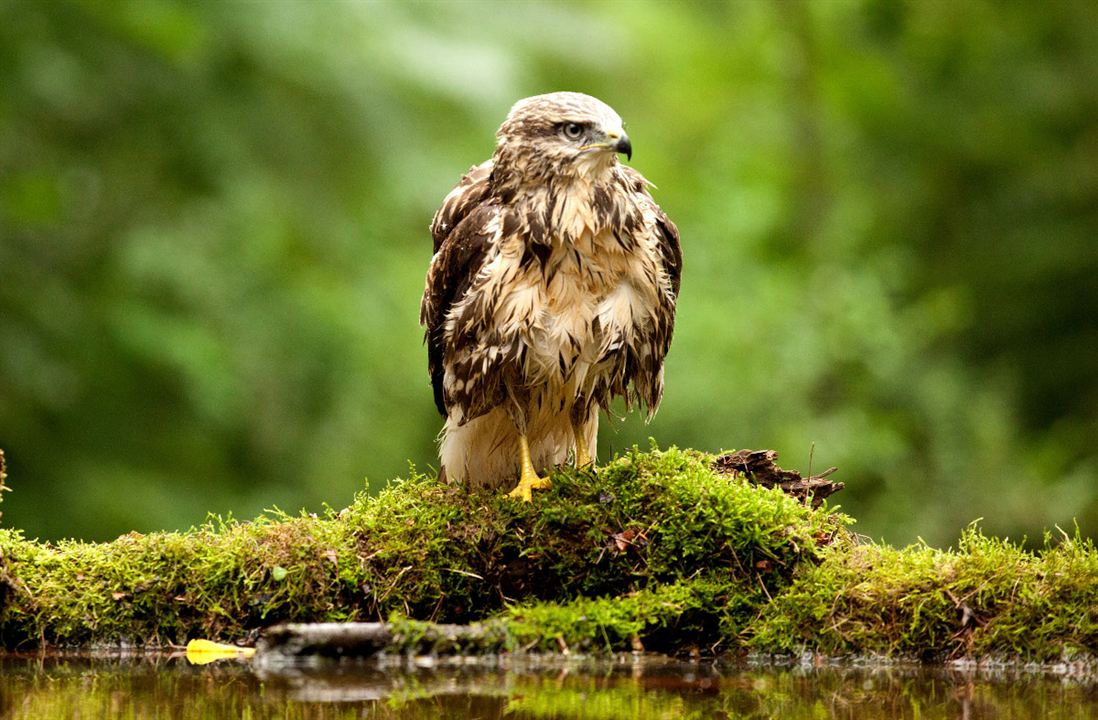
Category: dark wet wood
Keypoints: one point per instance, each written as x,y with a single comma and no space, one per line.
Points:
759,467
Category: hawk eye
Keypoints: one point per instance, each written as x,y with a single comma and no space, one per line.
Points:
572,131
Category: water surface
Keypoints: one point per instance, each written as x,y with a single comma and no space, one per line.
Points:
159,686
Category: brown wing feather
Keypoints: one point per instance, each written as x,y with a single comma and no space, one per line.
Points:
671,256
670,248
453,269
646,374
460,201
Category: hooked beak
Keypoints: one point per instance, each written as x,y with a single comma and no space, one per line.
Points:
615,140
618,141
624,146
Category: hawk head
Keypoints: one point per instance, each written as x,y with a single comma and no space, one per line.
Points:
561,133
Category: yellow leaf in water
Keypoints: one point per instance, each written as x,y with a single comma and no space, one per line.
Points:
203,652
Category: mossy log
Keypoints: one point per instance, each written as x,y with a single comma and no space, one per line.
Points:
656,551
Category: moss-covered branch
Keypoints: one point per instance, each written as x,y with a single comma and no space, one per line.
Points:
657,551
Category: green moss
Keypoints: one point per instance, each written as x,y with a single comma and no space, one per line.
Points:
698,613
987,597
165,587
655,551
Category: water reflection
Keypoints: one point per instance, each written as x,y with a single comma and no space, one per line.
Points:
161,687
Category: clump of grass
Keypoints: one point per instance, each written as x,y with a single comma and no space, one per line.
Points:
222,579
988,597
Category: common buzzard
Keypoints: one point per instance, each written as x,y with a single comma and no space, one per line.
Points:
551,292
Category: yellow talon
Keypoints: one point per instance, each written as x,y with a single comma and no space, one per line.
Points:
528,480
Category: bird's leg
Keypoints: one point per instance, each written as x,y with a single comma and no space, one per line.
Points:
528,479
528,476
580,416
583,455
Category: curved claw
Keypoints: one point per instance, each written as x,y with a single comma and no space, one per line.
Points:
528,479
524,490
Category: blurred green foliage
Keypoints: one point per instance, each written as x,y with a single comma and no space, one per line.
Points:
213,236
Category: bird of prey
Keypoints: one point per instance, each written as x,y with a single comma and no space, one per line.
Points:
551,292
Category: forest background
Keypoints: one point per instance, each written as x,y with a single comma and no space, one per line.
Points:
213,237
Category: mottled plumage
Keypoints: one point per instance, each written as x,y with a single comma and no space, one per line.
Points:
552,291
